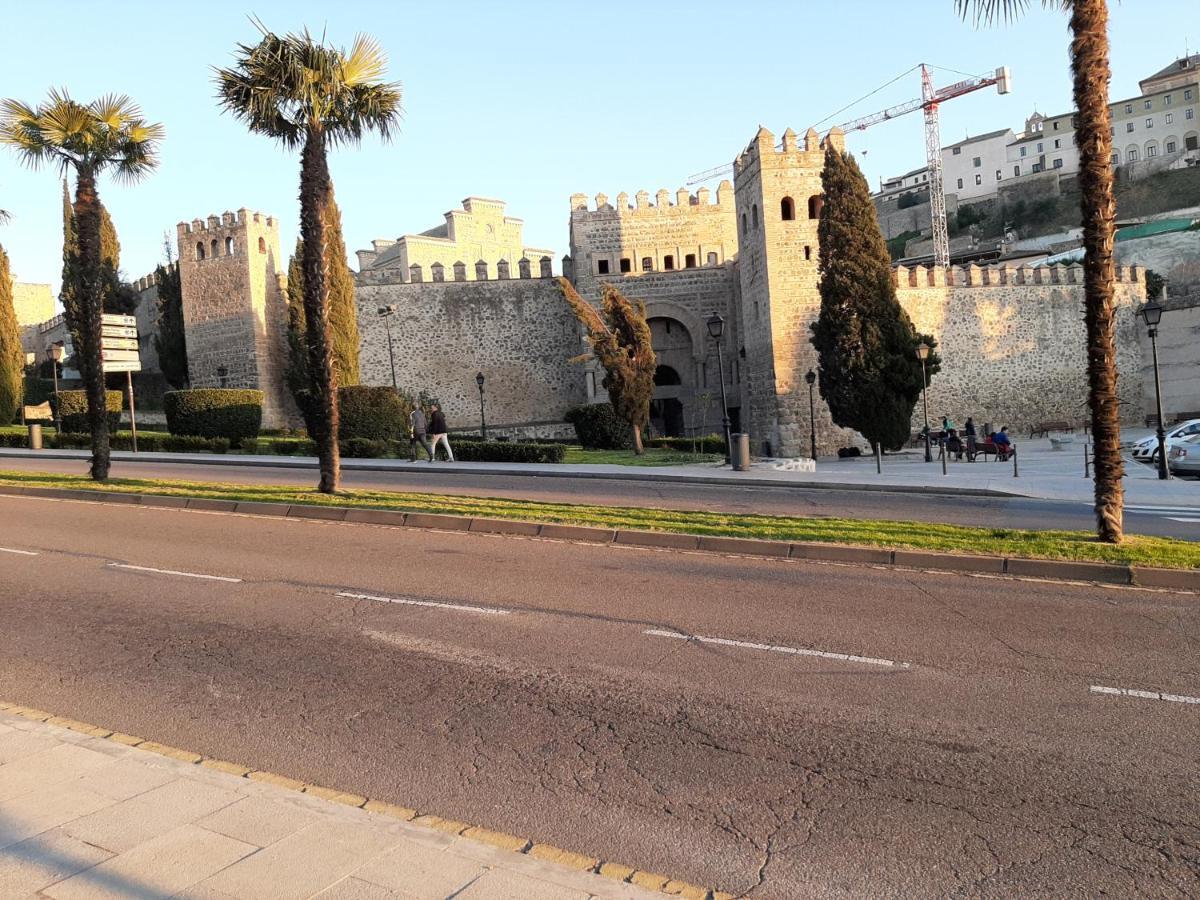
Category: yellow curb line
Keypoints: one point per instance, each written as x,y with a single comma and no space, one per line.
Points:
499,839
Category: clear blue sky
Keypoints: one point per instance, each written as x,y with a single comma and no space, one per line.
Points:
526,101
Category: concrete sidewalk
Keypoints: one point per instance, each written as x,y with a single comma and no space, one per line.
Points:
82,816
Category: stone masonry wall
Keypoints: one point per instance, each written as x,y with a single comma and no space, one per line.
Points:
1012,342
34,303
1178,357
519,333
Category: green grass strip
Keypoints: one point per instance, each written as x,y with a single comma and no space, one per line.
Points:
1070,545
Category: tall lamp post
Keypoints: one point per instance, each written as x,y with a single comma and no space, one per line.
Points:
923,354
716,327
482,419
1151,314
811,379
55,354
386,313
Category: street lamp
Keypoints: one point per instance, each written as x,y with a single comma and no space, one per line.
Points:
55,353
811,378
222,374
923,354
482,419
1151,314
716,327
386,313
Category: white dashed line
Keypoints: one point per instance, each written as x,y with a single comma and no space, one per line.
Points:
409,601
173,572
775,648
1181,519
18,552
1143,695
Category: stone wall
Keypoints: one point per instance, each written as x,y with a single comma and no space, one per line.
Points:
235,309
34,303
519,333
147,320
1012,342
1178,357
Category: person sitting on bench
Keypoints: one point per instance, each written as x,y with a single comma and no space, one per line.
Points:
1004,445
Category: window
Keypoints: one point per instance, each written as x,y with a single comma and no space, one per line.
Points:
1128,127
743,223
955,151
1116,158
1151,150
787,209
1187,95
647,264
1149,121
1147,104
815,202
199,249
1112,130
668,262
998,175
1058,164
215,248
979,179
807,252
1133,154
1128,108
1024,150
229,246
262,245
1171,146
602,267
1056,126
1189,114
754,216
1189,142
1167,100
960,184
977,162
1016,170
1168,118
626,264
1057,143
689,261
1037,167
712,258
1040,146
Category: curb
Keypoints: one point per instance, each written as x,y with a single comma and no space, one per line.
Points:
364,465
1019,567
498,839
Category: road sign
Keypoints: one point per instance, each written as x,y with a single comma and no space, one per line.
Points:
122,366
119,343
119,355
117,331
126,321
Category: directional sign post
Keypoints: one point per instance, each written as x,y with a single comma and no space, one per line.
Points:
119,353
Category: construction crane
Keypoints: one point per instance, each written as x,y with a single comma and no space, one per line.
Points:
929,101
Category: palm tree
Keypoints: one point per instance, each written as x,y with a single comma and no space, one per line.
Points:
306,94
1090,69
106,135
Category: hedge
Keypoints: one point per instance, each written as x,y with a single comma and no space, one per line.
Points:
508,451
373,413
709,443
598,427
38,390
214,413
304,447
147,443
73,406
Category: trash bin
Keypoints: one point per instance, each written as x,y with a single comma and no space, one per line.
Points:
739,452
35,436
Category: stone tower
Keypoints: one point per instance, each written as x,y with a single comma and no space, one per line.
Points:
235,309
778,193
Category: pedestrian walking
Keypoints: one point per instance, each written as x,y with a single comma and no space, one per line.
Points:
417,430
969,433
437,427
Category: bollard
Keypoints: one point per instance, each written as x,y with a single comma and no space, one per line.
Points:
945,453
1085,459
878,459
1014,456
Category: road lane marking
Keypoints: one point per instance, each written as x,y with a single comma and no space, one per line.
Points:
1143,695
409,601
1181,519
775,648
18,552
174,572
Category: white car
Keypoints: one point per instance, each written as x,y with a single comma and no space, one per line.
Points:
1146,450
1184,457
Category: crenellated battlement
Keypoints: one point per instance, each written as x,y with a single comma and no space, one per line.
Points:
809,152
148,281
1003,274
227,220
664,202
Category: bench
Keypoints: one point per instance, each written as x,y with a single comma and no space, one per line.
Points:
1044,428
985,446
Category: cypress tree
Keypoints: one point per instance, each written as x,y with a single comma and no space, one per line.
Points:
620,341
12,356
870,375
169,339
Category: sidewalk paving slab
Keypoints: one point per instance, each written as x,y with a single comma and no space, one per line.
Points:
78,823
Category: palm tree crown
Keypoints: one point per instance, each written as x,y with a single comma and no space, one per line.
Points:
283,86
109,132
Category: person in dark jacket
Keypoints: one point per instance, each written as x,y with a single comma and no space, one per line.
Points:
437,428
969,433
417,430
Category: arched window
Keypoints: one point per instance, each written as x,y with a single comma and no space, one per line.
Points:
199,249
647,264
262,245
216,248
787,209
438,272
743,223
665,375
414,273
815,202
229,246
712,259
754,216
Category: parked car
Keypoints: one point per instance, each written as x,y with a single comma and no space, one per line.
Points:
1146,450
1184,457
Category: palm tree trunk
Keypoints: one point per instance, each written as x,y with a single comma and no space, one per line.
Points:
314,196
87,223
1089,64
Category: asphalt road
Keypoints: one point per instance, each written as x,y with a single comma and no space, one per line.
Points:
999,512
936,735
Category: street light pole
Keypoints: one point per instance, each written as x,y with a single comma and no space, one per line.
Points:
1151,313
482,419
385,313
811,378
716,327
923,354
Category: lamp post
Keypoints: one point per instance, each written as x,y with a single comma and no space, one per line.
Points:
811,379
55,354
923,354
716,327
222,374
482,419
1151,314
386,313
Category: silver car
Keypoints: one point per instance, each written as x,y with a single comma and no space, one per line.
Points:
1146,450
1184,457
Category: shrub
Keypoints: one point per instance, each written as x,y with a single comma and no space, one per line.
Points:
363,448
709,443
214,413
73,406
373,413
38,390
598,427
508,451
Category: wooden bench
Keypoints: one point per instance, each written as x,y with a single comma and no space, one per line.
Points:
985,446
1044,428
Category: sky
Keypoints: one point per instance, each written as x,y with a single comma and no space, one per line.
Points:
527,101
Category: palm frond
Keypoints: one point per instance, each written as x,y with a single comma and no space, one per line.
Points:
990,12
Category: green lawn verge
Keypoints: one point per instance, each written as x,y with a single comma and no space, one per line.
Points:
1072,545
654,456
